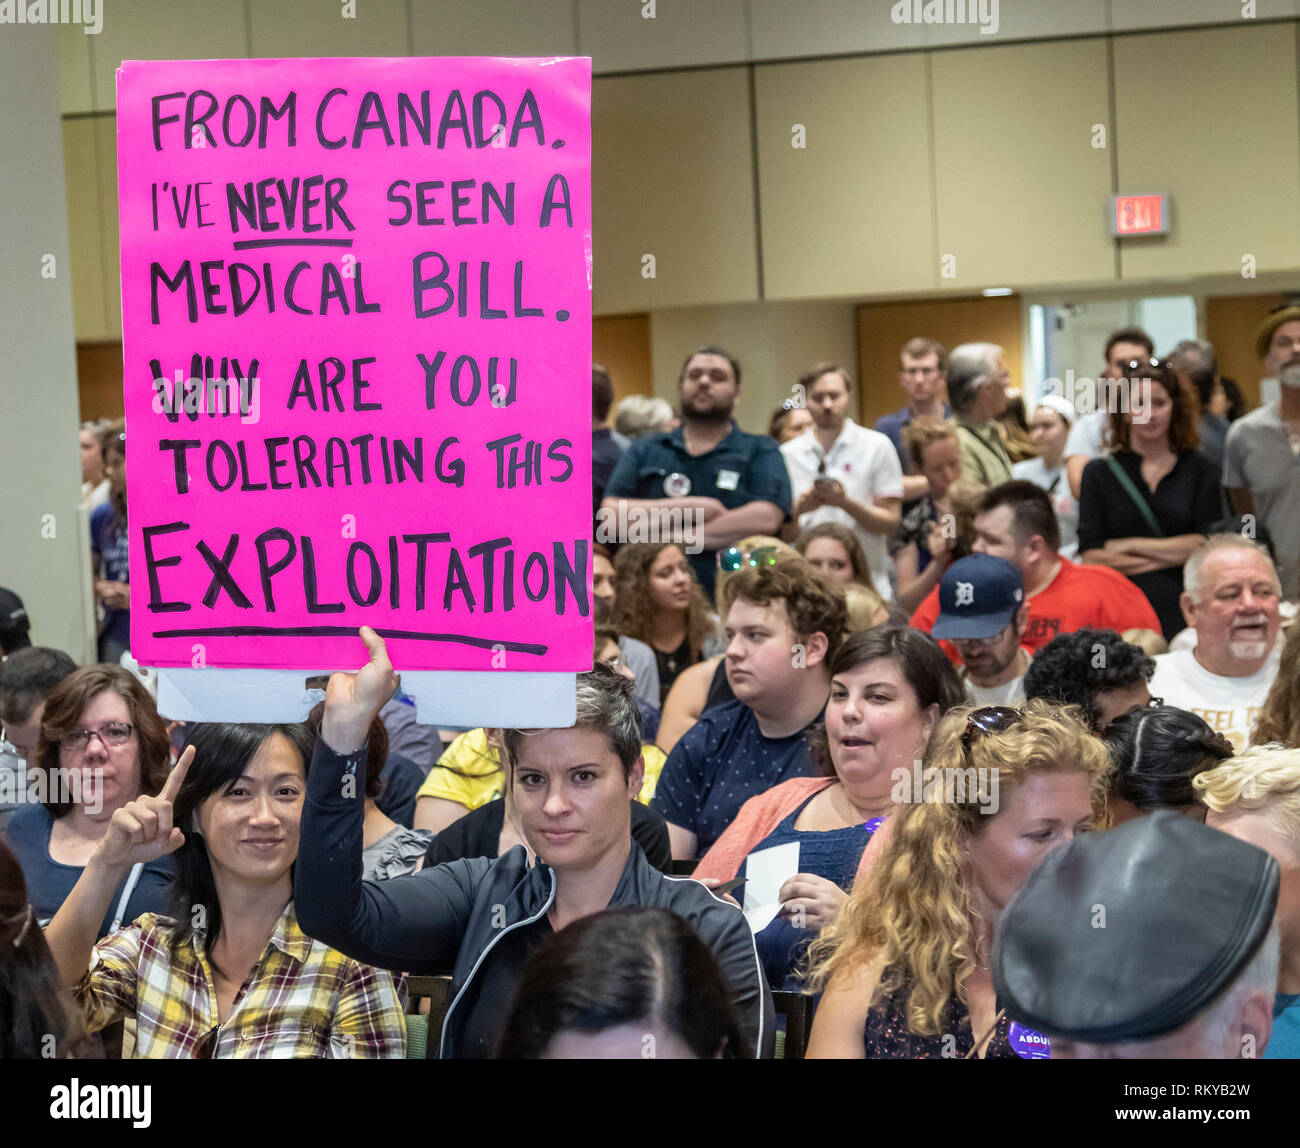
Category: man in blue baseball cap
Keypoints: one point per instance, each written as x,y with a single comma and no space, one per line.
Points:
982,612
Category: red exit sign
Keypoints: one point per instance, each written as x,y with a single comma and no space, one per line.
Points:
1139,215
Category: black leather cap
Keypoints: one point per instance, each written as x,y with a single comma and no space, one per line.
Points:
1184,909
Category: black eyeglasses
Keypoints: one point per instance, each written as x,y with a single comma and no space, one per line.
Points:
733,558
114,734
989,719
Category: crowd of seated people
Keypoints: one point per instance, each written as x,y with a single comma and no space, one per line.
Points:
875,729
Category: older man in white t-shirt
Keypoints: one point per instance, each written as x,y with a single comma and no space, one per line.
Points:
1231,598
846,473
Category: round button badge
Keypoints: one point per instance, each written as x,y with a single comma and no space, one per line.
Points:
1028,1044
677,485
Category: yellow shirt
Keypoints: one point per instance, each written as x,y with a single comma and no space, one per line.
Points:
470,773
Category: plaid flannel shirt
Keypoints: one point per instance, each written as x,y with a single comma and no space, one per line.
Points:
302,999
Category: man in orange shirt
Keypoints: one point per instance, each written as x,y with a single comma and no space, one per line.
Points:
1015,521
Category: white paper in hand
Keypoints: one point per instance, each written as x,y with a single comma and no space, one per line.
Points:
765,872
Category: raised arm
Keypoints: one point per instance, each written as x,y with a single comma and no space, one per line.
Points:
141,831
413,923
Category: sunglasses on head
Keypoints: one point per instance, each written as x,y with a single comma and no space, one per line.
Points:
1152,368
989,719
733,558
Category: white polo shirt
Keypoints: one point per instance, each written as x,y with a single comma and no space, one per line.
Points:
865,463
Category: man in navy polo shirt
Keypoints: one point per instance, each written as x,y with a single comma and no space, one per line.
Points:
723,483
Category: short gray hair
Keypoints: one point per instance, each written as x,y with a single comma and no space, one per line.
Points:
1260,975
970,367
1194,354
638,415
606,704
1192,570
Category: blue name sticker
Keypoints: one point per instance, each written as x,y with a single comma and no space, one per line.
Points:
1028,1044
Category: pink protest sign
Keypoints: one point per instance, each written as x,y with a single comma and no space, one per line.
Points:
356,303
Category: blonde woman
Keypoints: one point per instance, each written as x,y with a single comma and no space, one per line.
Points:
659,601
1256,797
906,964
1279,720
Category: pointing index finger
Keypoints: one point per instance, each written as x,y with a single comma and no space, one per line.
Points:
176,778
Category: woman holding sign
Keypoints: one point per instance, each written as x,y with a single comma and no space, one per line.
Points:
229,974
482,917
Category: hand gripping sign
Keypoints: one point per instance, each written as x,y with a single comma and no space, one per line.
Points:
356,302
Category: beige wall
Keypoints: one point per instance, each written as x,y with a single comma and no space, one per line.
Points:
672,190
949,143
1019,185
617,34
1226,107
45,557
852,208
927,172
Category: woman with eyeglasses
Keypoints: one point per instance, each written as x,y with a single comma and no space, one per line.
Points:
108,544
1148,504
101,745
906,964
1157,751
226,972
660,602
889,686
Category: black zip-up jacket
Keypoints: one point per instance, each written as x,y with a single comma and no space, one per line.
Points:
479,917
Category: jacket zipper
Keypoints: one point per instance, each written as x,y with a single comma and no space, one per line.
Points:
550,897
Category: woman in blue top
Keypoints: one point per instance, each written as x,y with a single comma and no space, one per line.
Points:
889,686
108,552
102,744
